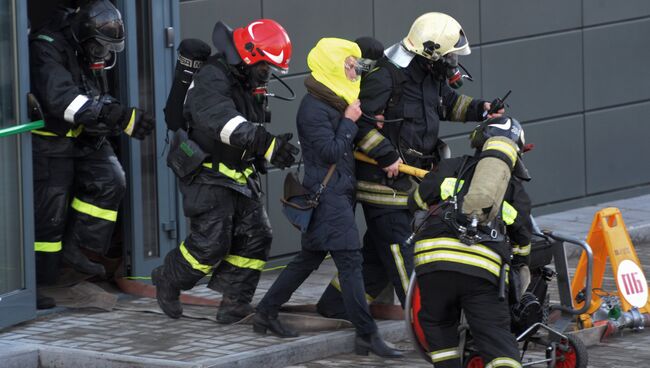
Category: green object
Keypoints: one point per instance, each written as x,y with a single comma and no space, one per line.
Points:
614,313
22,128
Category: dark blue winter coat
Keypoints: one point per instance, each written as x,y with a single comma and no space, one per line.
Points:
326,138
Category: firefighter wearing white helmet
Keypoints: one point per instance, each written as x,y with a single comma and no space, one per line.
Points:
411,86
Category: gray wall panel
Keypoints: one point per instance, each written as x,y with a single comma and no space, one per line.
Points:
543,84
557,162
393,18
198,17
602,11
616,64
308,21
506,19
617,148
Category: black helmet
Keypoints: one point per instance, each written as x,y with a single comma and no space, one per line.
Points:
507,127
98,28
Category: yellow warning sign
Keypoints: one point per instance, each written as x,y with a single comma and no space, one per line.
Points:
609,239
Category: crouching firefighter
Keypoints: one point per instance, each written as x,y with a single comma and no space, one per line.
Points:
472,227
230,234
78,181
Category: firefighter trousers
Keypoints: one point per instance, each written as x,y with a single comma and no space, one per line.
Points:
443,295
230,235
386,259
75,205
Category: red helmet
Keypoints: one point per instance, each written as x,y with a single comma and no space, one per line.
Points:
264,40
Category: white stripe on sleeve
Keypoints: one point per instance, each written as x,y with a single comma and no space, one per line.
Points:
74,106
230,127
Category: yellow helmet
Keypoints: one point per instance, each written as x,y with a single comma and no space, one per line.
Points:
434,35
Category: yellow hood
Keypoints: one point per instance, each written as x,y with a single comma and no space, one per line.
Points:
327,64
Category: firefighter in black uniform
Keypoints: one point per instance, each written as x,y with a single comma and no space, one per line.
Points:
409,86
78,181
230,234
460,263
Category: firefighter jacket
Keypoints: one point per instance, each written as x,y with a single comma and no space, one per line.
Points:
221,112
68,93
437,246
419,97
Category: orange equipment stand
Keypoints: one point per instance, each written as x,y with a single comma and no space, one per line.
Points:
608,237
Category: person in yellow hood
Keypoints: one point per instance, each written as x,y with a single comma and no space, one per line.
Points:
326,127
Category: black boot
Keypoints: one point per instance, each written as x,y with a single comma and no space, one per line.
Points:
44,302
262,322
73,255
231,311
166,294
373,342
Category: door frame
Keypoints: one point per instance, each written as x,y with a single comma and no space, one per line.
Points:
20,305
164,13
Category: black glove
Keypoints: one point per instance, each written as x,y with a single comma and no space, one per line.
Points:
138,123
107,122
275,149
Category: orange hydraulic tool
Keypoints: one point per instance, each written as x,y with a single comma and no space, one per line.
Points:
608,238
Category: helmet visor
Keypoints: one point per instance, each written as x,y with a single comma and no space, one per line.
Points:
462,45
111,45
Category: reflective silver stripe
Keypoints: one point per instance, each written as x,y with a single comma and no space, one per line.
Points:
503,362
399,264
188,91
385,199
460,108
446,354
75,105
370,141
428,244
418,199
230,127
450,256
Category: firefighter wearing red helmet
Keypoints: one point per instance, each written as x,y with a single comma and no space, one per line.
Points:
230,234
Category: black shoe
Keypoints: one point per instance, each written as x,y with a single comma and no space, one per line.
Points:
231,311
373,342
73,255
44,302
166,294
262,323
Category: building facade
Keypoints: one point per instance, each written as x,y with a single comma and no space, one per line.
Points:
577,70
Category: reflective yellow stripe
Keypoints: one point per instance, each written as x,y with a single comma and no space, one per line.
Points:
418,199
370,141
94,211
502,147
459,111
464,258
49,247
193,262
399,264
519,250
368,186
447,187
269,151
129,128
243,262
72,133
503,362
451,243
238,176
337,285
445,354
508,213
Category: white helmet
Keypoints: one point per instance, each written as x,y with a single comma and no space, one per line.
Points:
434,35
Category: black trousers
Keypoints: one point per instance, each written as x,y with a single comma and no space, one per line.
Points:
76,199
227,229
443,295
386,259
348,263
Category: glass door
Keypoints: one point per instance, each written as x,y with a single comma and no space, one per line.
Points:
17,295
152,201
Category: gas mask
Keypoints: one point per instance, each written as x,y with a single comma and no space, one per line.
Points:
259,74
447,67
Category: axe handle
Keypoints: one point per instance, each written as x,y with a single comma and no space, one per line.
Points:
403,168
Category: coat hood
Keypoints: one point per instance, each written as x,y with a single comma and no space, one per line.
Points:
327,64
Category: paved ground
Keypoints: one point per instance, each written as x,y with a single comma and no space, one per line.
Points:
154,340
